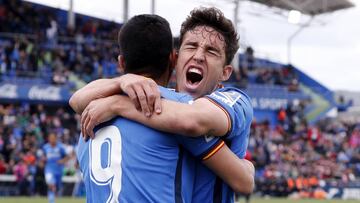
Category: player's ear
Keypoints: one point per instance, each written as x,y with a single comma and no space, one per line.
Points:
173,58
227,70
172,63
121,62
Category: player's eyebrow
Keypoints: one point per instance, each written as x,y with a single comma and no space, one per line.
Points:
193,43
206,47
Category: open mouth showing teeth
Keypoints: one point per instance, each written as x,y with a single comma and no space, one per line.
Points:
194,76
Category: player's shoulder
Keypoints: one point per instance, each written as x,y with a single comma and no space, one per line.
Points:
237,105
171,94
231,96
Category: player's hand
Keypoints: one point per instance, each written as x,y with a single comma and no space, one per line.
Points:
98,111
143,91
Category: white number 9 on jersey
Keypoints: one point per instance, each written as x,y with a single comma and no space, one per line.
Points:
110,173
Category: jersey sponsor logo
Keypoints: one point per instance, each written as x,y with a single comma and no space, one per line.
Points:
228,98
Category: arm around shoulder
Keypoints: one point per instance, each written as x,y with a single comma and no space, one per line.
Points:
205,117
200,118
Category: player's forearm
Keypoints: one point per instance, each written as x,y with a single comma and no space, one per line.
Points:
242,177
200,118
203,117
96,89
64,160
175,117
168,121
237,173
189,120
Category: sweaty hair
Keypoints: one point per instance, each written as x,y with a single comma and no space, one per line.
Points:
146,42
213,18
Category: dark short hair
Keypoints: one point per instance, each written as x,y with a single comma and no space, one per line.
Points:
146,43
214,18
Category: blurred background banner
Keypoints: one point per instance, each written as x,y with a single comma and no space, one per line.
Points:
34,93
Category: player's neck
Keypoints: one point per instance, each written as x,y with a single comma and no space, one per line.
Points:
162,81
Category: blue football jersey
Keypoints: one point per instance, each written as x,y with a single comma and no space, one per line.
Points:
237,105
129,162
53,155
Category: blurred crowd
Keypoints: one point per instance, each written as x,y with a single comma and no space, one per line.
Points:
23,131
303,160
51,50
251,70
14,18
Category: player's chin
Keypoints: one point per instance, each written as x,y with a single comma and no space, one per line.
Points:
196,92
194,89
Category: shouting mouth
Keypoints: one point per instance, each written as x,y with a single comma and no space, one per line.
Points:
194,76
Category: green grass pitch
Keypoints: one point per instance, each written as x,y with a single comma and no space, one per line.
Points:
254,200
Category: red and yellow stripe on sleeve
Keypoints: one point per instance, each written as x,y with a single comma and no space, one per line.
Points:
214,150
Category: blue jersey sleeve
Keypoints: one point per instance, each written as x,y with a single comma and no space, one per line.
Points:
201,147
170,94
237,106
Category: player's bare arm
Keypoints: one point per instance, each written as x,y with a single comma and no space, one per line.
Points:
238,173
96,89
142,91
203,117
65,159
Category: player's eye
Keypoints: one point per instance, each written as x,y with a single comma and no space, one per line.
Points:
190,47
213,52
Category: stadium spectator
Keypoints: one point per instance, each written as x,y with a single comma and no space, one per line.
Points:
39,179
355,138
51,33
249,62
258,71
281,117
343,105
3,165
21,172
